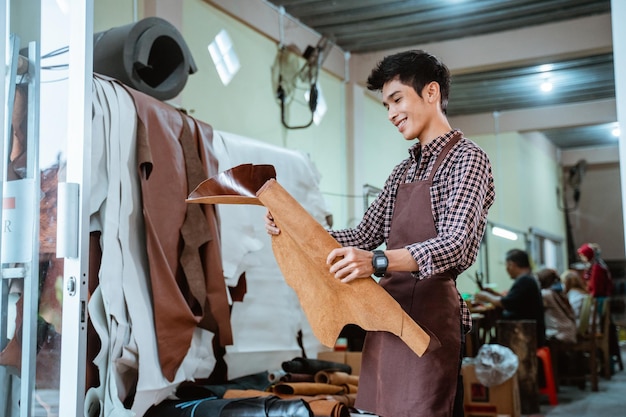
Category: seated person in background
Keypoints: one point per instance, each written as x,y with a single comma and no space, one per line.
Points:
559,315
575,290
523,301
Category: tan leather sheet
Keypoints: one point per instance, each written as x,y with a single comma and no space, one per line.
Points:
301,250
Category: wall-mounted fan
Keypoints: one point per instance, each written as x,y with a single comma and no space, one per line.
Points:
573,180
294,78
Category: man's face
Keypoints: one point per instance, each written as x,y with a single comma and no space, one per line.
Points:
408,112
511,269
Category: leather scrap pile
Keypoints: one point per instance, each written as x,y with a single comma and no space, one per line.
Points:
302,388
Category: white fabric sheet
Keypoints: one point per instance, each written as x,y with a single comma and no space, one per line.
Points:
266,324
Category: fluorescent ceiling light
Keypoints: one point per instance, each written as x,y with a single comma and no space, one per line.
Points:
224,57
545,68
503,233
616,132
546,86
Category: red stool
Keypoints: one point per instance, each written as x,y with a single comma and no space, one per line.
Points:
543,353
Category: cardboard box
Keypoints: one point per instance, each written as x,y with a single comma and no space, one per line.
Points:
349,358
496,401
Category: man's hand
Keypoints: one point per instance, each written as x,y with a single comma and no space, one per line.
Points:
488,297
270,226
350,263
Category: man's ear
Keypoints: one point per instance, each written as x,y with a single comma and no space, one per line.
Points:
432,92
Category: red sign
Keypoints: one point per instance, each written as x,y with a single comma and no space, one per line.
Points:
8,203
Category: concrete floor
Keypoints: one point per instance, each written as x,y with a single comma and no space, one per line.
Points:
609,401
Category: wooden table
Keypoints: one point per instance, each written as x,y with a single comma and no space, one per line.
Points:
484,317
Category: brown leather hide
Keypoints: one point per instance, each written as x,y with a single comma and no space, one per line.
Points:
301,249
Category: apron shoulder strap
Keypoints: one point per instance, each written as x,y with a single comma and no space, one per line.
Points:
442,155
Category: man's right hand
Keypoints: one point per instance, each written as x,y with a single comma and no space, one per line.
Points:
270,226
488,297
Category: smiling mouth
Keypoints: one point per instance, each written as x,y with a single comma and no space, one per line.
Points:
401,124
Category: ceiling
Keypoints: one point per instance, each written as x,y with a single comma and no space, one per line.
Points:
370,26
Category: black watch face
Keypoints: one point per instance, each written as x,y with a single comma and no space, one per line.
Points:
381,262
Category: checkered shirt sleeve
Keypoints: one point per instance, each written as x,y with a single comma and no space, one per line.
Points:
461,195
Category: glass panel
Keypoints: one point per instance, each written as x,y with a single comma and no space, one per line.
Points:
547,250
35,137
495,275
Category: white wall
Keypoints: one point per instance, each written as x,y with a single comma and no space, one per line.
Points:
247,105
355,144
526,174
598,217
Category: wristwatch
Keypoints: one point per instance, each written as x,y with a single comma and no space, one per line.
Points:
380,263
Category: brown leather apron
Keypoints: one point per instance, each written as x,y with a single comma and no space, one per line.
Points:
394,381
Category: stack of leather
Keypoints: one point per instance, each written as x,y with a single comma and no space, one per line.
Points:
322,405
324,382
254,406
303,387
328,387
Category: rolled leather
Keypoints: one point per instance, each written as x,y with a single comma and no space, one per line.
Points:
282,376
308,388
336,378
330,408
309,366
291,377
150,55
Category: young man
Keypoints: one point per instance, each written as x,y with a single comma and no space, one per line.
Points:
431,215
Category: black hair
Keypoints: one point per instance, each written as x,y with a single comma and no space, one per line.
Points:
548,277
518,257
415,68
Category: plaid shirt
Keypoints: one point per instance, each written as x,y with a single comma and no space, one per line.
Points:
461,194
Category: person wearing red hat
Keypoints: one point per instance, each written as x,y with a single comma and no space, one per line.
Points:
600,286
597,275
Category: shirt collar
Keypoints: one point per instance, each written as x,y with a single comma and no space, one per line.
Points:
434,147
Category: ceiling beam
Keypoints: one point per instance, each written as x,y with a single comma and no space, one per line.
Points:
592,155
538,118
538,44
